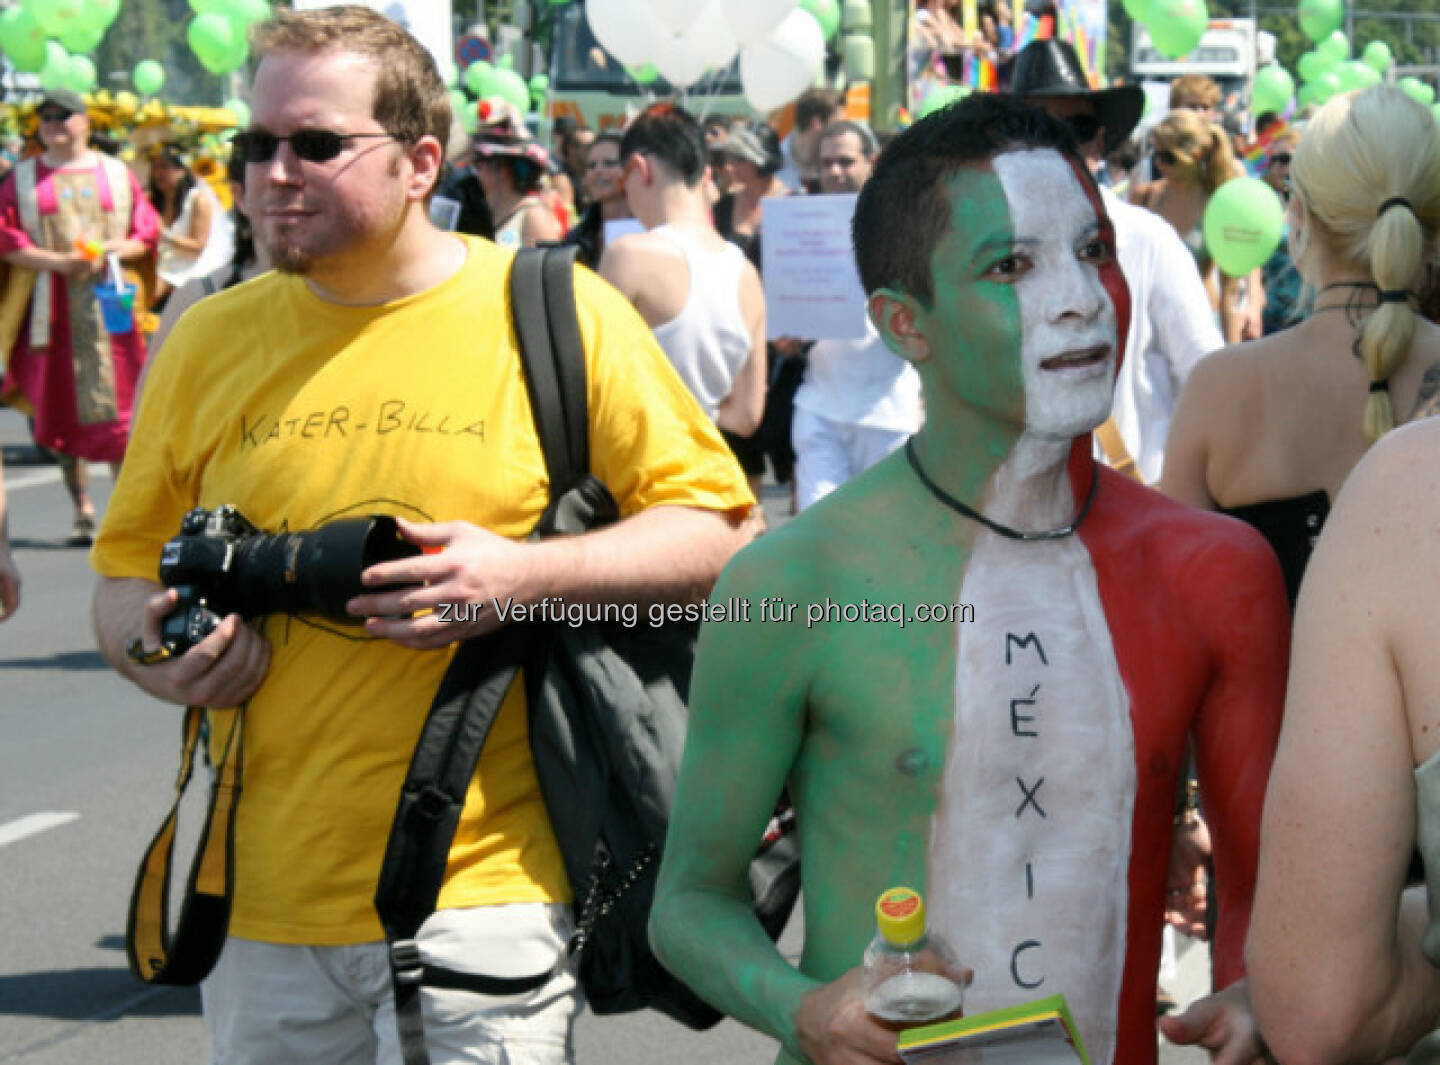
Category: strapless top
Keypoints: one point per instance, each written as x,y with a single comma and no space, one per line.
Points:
1291,527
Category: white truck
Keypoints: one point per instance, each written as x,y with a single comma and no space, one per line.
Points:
1227,52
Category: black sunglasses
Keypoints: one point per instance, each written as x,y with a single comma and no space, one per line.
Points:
1280,157
55,115
1084,127
311,145
1167,157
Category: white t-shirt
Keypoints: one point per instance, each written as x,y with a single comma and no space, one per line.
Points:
1172,327
861,382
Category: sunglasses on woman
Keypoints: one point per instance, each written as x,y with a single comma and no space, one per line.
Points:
310,145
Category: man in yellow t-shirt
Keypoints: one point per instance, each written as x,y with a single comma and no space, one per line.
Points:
375,372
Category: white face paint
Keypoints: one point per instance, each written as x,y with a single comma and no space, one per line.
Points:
1068,331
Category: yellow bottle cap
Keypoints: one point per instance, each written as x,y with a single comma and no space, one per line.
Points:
900,916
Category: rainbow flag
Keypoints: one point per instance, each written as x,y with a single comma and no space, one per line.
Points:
1256,155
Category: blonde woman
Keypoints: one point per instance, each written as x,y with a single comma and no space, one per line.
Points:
1270,430
1194,158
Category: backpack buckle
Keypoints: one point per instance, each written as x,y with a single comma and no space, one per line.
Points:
406,965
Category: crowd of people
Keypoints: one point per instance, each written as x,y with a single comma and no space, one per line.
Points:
1082,759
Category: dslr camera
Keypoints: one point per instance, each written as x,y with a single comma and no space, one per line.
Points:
221,564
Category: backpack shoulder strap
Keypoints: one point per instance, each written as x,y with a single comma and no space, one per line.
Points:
552,355
542,307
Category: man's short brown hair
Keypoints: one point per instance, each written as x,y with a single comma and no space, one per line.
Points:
1194,91
814,105
411,100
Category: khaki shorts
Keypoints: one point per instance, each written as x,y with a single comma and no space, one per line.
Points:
273,1003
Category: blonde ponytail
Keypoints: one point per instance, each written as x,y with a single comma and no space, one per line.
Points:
1397,255
1367,170
1219,161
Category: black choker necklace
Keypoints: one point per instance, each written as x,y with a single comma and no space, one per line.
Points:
994,526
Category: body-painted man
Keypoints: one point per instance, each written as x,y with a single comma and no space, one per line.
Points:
1018,758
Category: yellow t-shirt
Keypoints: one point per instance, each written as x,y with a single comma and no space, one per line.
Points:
300,411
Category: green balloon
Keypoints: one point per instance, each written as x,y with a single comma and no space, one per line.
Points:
1326,86
941,97
1176,26
1138,10
1417,90
1353,75
1312,64
148,77
1243,221
505,62
511,87
106,11
55,74
240,109
81,77
469,119
476,76
57,17
827,13
82,39
1336,46
1377,56
1309,94
22,39
643,75
212,39
1273,90
209,7
1320,18
98,14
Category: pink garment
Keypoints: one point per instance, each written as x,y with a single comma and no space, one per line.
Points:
46,376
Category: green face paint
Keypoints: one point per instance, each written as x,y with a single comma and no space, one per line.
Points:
974,326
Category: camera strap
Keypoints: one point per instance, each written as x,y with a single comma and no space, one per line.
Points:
155,956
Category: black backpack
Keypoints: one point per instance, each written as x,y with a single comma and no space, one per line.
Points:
607,727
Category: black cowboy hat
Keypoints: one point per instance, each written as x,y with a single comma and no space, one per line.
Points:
1051,68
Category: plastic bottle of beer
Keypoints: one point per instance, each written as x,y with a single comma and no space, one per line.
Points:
905,980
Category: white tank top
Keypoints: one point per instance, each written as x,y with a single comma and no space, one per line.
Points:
707,341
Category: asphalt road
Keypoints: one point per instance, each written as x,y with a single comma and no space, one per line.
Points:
86,764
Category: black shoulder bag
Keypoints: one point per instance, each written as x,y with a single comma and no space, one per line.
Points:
607,727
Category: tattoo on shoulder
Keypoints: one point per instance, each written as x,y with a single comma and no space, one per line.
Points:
1426,397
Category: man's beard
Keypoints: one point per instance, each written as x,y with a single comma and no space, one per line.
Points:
290,258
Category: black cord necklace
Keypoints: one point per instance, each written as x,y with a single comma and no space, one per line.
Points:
994,526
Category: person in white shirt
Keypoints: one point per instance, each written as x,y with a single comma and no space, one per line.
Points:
696,290
860,401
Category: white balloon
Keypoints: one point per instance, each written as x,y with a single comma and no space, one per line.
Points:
628,31
681,60
750,20
677,16
779,68
712,35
